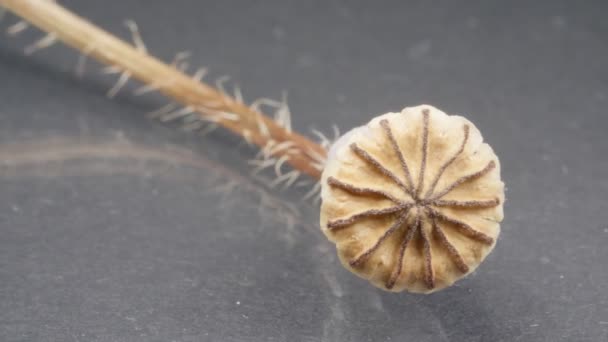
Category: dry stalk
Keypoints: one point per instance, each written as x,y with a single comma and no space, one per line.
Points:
210,104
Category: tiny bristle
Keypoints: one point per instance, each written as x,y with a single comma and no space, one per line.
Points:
176,114
192,126
257,104
324,141
315,190
316,156
247,137
287,179
282,115
262,127
111,70
138,42
279,165
219,83
228,116
162,110
261,165
238,94
17,28
121,82
180,57
82,59
199,74
210,127
183,66
280,147
48,40
266,150
336,131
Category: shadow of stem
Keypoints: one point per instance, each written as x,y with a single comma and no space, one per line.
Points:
76,156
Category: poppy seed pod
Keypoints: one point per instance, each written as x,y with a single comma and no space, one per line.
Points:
412,200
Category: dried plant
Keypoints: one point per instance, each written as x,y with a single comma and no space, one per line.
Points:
380,203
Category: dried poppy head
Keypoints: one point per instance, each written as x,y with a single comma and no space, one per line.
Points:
412,200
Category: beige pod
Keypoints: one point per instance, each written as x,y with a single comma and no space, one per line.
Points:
412,200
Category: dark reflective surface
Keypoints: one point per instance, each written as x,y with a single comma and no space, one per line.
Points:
115,228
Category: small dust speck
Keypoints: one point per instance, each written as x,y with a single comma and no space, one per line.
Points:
15,208
278,33
605,230
558,22
305,61
238,303
420,50
545,260
472,23
534,325
561,276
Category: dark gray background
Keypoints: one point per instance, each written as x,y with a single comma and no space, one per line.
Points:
114,227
